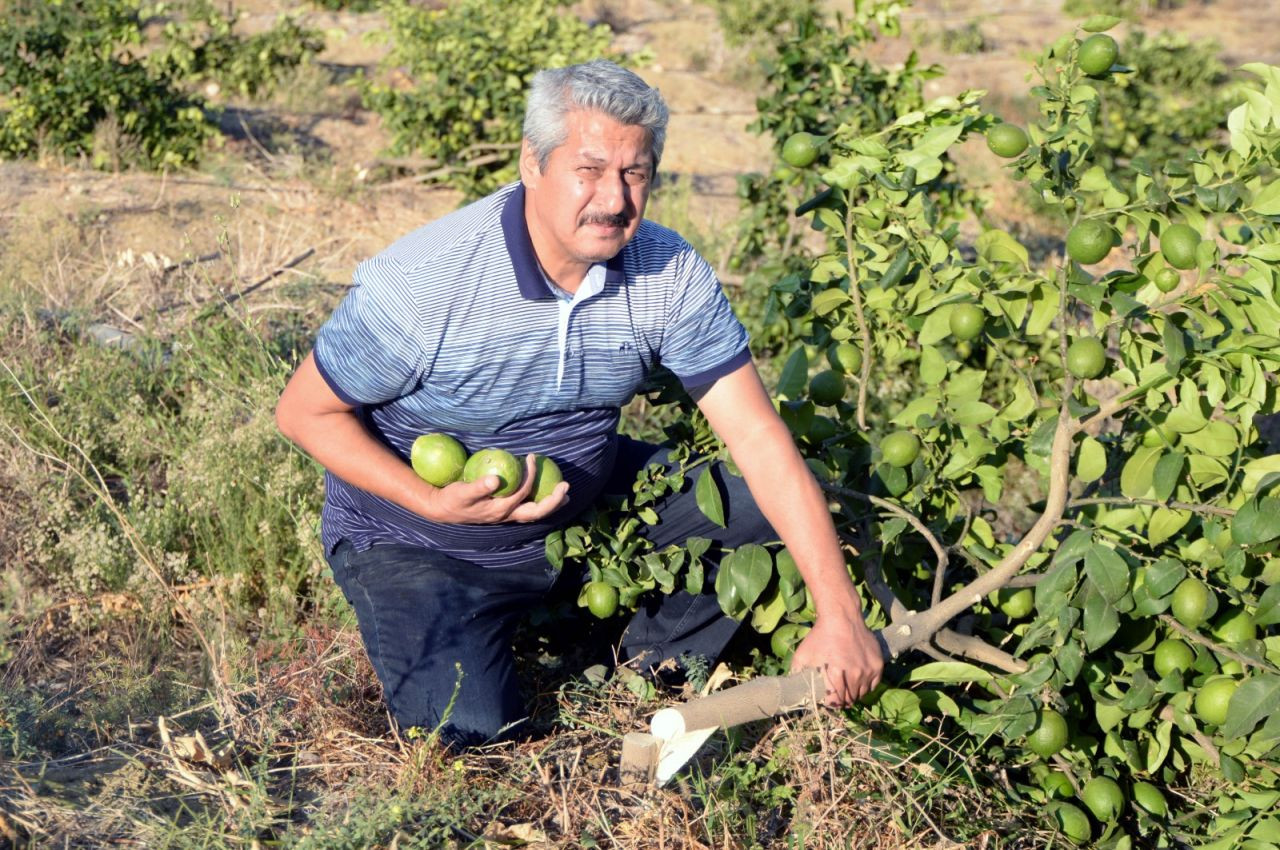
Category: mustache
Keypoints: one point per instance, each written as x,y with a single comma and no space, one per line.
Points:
608,219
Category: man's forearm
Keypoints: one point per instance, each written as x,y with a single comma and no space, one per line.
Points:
340,443
789,497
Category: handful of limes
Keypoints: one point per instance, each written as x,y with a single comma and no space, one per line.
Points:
440,460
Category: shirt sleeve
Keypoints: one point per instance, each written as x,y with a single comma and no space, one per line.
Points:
704,340
371,348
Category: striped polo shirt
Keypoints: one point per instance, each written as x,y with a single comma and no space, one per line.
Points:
455,329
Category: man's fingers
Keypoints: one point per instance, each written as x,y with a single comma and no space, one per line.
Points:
533,511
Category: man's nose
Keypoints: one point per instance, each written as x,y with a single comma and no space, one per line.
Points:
611,194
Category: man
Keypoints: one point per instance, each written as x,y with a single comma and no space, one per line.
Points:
524,321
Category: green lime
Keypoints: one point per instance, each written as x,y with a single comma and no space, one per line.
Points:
786,638
900,448
1056,784
601,599
1190,602
1178,244
1103,797
1172,655
966,321
1006,140
1049,735
1236,627
1150,798
438,459
1016,602
827,387
1071,821
800,150
497,462
546,475
1167,280
844,357
1097,54
1213,699
1086,357
1090,241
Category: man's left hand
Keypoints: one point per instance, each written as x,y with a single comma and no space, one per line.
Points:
847,653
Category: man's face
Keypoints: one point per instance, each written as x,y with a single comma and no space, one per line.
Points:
589,200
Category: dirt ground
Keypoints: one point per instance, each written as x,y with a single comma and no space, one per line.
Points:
291,176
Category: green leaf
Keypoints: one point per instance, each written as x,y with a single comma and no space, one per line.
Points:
973,413
948,672
1167,475
828,300
1216,439
1099,23
1257,521
744,574
707,495
1256,470
766,615
1139,472
1165,523
1100,621
933,367
997,246
1175,346
795,375
1268,609
1108,572
554,546
1255,700
1091,463
1267,201
899,708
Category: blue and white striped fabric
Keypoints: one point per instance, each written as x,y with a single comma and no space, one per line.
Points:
455,329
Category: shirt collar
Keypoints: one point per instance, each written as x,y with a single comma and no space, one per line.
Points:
529,277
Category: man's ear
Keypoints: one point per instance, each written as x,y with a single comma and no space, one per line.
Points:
529,169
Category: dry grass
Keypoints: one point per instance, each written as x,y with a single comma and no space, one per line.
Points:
119,751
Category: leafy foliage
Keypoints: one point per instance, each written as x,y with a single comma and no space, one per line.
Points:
468,67
1131,483
84,77
1177,97
66,68
820,80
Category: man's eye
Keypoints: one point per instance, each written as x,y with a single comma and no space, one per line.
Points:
636,177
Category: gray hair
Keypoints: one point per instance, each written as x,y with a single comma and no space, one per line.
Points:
599,86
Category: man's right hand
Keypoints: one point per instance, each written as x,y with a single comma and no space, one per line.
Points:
326,427
473,503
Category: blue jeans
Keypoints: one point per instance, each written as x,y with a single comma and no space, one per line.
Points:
439,630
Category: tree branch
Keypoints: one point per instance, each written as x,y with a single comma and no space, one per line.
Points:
1195,637
968,646
1155,503
864,332
1200,738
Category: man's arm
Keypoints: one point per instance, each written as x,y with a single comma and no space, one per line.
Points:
741,413
311,415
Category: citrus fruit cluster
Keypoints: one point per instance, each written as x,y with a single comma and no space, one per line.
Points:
440,460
